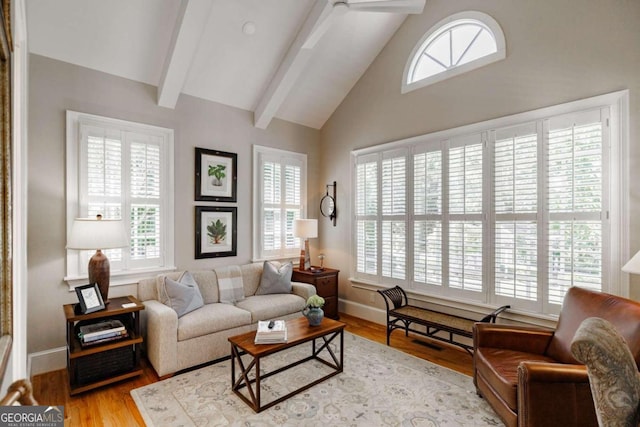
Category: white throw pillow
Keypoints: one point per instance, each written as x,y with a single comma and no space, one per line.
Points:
275,280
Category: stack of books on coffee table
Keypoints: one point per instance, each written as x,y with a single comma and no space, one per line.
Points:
271,332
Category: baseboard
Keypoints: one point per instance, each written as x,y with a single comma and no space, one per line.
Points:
46,361
362,311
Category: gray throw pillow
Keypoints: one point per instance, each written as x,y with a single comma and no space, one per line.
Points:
275,280
184,295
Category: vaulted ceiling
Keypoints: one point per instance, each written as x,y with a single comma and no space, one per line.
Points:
291,59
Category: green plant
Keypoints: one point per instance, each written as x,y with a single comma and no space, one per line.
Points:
217,231
315,301
217,171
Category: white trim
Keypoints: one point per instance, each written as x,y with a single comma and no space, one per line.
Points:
44,361
487,21
440,303
73,122
19,368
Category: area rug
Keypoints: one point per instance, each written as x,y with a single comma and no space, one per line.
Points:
380,386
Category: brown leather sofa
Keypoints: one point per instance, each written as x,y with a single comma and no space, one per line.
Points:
529,375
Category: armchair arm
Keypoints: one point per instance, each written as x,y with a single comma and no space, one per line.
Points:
554,394
303,290
520,338
551,373
162,337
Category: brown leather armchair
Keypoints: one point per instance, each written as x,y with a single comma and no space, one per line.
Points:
529,375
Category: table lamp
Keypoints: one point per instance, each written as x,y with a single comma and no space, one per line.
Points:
633,265
305,229
98,234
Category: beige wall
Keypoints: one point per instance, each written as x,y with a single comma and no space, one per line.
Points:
55,87
557,51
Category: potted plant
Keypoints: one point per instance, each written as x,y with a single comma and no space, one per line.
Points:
217,231
217,172
313,310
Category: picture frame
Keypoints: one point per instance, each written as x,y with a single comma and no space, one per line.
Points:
216,175
216,231
89,298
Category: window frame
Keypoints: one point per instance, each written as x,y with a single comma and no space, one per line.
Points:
75,270
299,159
614,281
443,25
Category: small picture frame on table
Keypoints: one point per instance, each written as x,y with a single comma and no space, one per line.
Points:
89,298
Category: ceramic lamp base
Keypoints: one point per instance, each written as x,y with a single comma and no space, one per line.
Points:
99,270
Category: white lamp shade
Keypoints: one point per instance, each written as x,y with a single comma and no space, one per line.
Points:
633,266
87,233
305,228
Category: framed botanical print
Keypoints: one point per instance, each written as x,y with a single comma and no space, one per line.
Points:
216,175
216,231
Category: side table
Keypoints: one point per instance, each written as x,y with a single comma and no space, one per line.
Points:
326,283
94,366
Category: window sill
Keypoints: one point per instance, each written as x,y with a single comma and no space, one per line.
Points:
514,315
120,278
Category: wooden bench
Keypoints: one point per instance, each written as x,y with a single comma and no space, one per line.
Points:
402,315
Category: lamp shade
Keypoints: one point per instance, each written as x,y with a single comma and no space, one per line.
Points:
633,266
88,233
305,228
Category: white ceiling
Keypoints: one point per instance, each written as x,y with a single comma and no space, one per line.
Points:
197,47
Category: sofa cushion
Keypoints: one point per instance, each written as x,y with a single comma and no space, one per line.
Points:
275,280
182,295
499,368
251,275
211,318
264,307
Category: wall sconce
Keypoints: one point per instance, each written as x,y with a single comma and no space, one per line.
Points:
328,204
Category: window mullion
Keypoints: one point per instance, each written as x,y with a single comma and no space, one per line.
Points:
125,192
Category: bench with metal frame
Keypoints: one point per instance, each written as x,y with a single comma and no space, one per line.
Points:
402,315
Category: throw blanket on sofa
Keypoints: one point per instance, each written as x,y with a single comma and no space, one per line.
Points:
230,284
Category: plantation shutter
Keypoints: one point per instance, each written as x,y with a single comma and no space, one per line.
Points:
515,203
427,223
366,215
121,179
282,190
271,222
101,181
394,210
465,213
293,208
144,193
575,158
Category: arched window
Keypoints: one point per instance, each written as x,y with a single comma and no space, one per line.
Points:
455,45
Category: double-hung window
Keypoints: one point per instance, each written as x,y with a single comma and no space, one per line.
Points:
121,170
279,198
511,211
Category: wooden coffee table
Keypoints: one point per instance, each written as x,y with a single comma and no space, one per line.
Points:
298,332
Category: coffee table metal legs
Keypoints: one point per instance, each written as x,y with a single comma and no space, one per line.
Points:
253,384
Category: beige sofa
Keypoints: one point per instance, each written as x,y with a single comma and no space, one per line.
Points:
173,343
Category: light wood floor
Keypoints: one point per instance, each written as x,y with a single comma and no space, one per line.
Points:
113,406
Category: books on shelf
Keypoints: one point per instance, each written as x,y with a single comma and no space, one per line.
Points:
107,330
116,337
275,334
